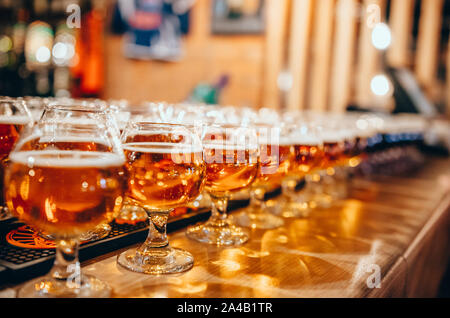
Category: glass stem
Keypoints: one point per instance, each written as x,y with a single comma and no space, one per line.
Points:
257,204
66,266
219,215
157,231
288,187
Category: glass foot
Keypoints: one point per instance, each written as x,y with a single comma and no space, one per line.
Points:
258,219
131,214
4,213
221,235
287,208
159,260
49,287
99,232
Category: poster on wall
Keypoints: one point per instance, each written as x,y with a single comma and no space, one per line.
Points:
152,29
237,17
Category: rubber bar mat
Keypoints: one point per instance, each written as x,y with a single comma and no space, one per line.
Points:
18,264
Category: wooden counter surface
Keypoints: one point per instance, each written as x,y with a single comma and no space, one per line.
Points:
397,227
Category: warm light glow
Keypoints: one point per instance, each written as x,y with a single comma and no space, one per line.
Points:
43,54
381,36
380,85
285,81
49,210
59,50
5,44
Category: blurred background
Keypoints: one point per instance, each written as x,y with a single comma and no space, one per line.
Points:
326,55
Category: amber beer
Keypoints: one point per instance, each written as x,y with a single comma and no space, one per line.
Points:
229,168
274,163
65,193
162,176
307,155
10,128
333,151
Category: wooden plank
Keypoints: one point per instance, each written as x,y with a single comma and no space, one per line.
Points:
274,52
343,55
401,21
426,60
369,57
298,52
321,54
448,79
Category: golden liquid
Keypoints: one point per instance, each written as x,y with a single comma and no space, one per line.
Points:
229,170
162,178
305,159
65,193
274,163
9,133
333,152
155,137
357,153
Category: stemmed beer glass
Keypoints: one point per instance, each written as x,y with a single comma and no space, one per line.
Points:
165,170
66,177
231,158
14,117
274,162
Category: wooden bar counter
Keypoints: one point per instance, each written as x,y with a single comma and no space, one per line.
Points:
389,239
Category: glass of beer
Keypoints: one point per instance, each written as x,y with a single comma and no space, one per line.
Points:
274,155
306,156
65,177
165,170
231,158
14,117
333,155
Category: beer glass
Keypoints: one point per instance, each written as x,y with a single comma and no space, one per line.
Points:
274,155
102,230
333,140
306,156
14,117
66,177
231,158
165,170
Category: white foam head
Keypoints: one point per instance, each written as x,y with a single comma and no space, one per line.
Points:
304,139
161,147
67,159
15,120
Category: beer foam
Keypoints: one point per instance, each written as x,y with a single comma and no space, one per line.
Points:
67,159
231,147
48,139
55,139
331,137
305,140
161,147
15,120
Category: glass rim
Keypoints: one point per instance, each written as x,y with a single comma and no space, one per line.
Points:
87,107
